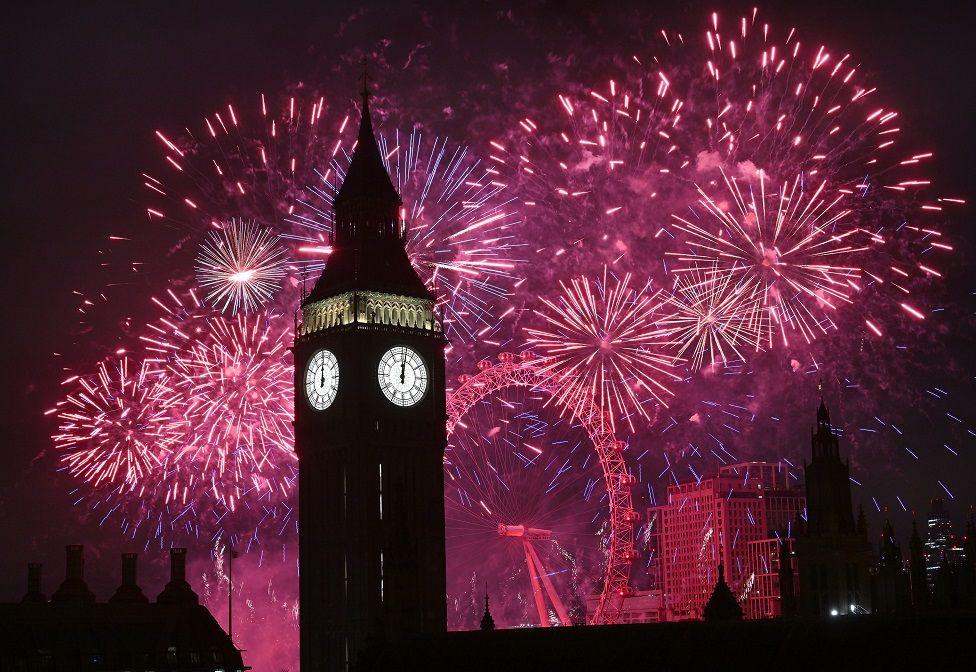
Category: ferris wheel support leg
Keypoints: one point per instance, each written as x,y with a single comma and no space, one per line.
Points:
550,589
534,572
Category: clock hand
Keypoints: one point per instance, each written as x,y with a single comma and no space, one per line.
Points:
403,370
322,377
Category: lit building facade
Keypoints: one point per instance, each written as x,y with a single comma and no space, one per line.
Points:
735,519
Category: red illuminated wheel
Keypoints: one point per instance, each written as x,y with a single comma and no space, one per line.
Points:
501,482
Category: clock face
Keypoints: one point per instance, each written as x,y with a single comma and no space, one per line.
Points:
322,380
402,375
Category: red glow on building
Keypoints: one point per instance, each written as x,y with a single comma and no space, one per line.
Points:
736,518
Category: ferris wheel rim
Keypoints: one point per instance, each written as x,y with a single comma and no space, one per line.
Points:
524,371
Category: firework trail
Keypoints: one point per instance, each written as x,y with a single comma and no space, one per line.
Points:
282,171
675,137
601,340
240,267
249,192
778,248
603,171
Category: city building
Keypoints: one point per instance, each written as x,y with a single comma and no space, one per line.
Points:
641,606
890,584
74,632
735,519
370,431
938,538
833,553
941,544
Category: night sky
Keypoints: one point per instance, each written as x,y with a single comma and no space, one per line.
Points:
85,88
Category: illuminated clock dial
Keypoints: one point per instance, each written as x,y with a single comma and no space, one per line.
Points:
402,375
322,380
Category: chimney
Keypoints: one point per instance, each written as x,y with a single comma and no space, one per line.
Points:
129,591
74,589
34,593
177,564
75,561
177,591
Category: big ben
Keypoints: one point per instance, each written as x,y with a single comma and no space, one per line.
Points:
370,431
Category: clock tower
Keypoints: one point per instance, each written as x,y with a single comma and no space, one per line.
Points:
370,431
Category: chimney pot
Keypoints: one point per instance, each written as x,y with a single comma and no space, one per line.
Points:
177,564
177,591
34,593
74,562
129,561
129,591
74,589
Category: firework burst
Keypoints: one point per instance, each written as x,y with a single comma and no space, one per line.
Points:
114,430
712,319
601,339
228,385
787,252
240,267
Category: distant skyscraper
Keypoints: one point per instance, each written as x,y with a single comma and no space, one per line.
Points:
731,519
832,551
940,542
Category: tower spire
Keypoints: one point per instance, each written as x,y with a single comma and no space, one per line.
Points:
368,250
487,622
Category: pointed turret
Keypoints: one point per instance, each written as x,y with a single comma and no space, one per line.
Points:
722,605
367,201
889,552
823,414
368,250
487,622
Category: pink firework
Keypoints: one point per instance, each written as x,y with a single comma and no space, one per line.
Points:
228,385
601,171
712,318
601,341
114,429
279,162
789,251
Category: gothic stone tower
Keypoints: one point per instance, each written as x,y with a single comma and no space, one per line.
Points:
369,432
832,551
